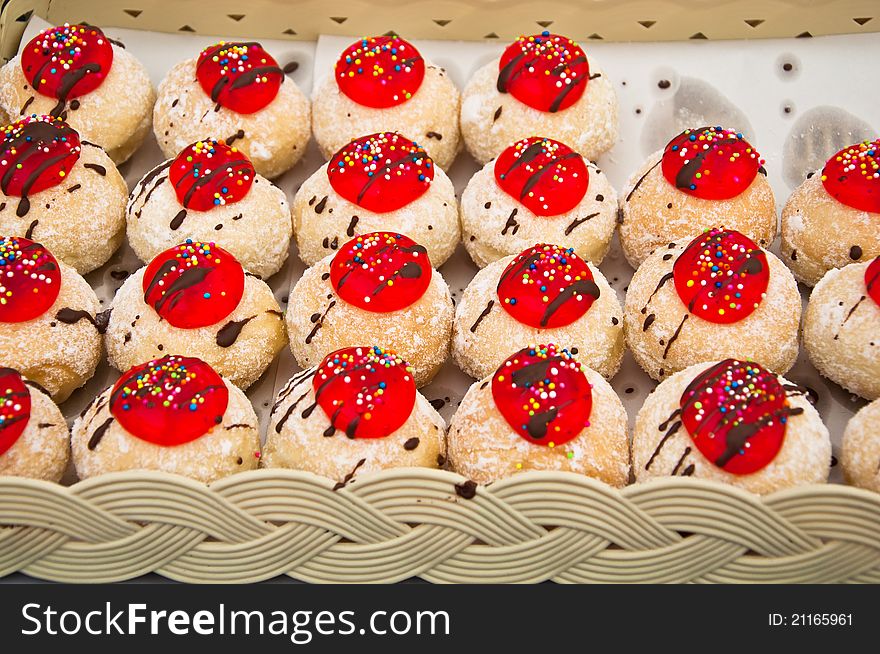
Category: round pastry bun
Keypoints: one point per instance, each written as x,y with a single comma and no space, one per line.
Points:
256,229
319,322
596,338
323,220
231,446
82,220
297,437
274,138
819,233
655,213
429,117
861,448
804,458
137,333
842,331
490,121
484,448
495,225
769,335
115,116
43,449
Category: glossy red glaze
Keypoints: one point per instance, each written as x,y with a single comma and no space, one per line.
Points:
15,408
380,71
210,173
872,280
36,153
242,77
67,61
30,279
852,176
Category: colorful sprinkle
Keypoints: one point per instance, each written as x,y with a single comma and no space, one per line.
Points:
210,174
241,77
852,176
380,71
30,279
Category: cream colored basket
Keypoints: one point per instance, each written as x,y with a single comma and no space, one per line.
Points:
417,522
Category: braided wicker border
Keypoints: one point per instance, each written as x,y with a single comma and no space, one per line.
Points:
411,523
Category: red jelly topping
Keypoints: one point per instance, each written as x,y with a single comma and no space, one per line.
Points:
545,71
380,71
381,172
67,62
547,286
36,153
239,76
546,176
210,173
872,280
543,394
169,401
722,276
711,163
29,279
15,408
366,392
852,176
381,272
736,414
194,284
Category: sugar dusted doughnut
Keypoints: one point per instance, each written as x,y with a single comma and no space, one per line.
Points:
541,410
842,327
717,296
34,441
378,287
210,192
100,90
383,84
831,219
234,91
543,84
356,412
860,456
196,300
379,182
705,177
174,414
537,191
50,325
544,294
733,422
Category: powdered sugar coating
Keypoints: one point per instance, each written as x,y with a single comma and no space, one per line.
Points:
43,449
595,339
116,115
656,213
231,446
860,455
842,331
419,333
491,230
484,448
429,117
818,232
589,126
323,220
769,335
274,138
804,458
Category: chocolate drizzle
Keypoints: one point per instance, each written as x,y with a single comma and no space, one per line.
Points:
72,316
319,208
177,221
319,322
99,433
189,277
351,225
235,137
582,287
511,223
485,313
70,79
577,223
230,332
97,168
641,179
349,476
29,234
675,335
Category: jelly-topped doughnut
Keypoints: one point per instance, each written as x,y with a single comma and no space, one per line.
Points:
169,401
736,413
36,153
547,286
380,71
711,163
872,280
210,173
543,394
239,76
194,284
66,62
546,176
381,172
15,408
860,450
546,71
30,279
722,276
381,272
366,392
852,176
